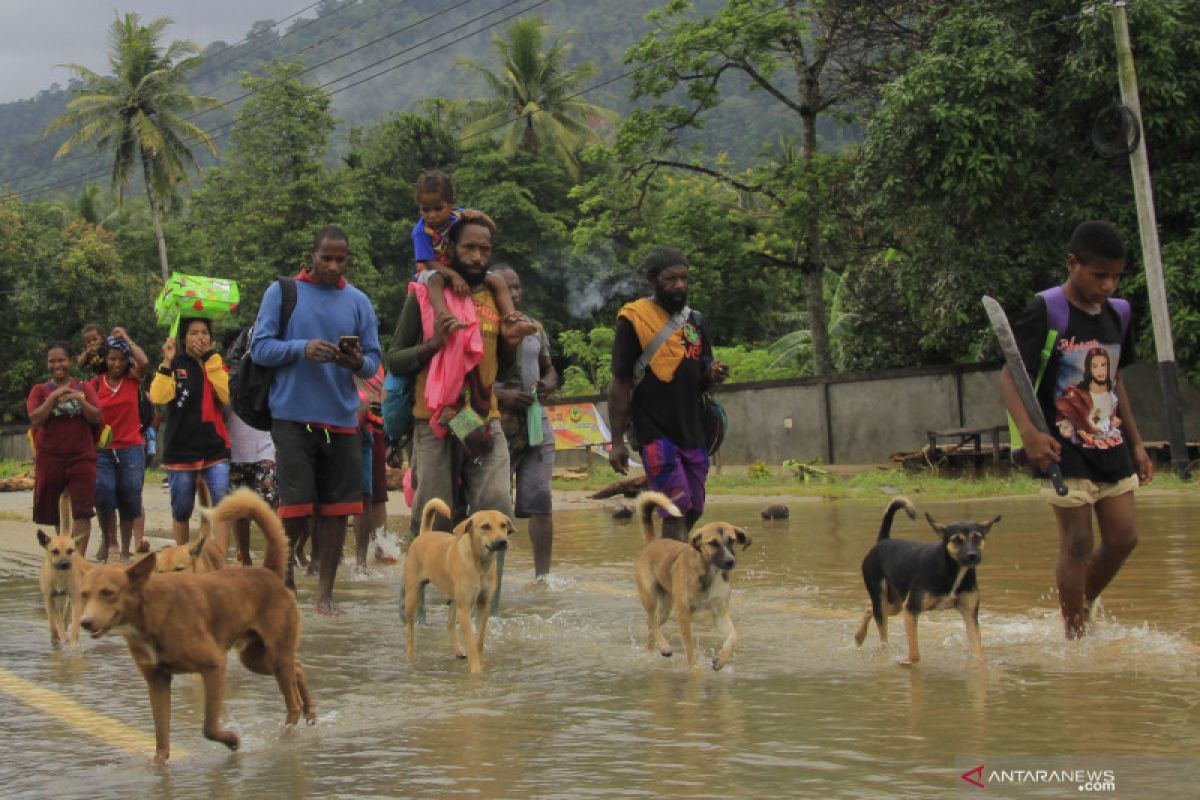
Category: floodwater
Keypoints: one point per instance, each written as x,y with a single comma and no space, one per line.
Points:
573,704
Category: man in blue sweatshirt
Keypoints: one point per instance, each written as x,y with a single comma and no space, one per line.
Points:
331,336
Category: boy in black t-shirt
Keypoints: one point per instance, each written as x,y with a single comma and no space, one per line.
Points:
1094,437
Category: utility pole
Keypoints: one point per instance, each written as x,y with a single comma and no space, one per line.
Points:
1168,372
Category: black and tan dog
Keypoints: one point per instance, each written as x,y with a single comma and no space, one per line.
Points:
462,565
63,568
688,577
182,622
911,577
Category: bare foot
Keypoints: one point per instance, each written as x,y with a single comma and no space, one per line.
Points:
311,569
328,608
245,560
125,556
143,546
516,326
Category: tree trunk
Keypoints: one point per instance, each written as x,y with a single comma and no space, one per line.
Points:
154,213
813,267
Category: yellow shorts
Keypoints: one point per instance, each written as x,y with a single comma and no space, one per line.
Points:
1083,492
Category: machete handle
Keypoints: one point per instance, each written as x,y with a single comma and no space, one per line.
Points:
1057,478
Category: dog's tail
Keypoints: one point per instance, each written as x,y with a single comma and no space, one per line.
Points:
646,503
64,512
434,506
885,529
245,503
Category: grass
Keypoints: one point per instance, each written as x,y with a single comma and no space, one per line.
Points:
870,482
10,467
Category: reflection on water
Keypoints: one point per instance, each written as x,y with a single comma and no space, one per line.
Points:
572,703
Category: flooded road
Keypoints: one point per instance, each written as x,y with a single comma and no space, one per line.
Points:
573,704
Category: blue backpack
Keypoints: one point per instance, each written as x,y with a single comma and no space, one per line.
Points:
398,407
1058,313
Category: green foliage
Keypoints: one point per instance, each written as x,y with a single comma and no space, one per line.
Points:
534,99
805,471
58,273
759,470
255,217
978,164
748,364
591,353
143,112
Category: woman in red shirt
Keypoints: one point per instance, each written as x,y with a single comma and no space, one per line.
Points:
120,467
62,413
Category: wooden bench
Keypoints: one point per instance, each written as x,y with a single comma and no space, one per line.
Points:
968,436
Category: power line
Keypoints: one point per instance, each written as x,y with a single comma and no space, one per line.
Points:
226,103
225,129
221,129
324,40
207,67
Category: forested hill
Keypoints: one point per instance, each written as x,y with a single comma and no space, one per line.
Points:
377,57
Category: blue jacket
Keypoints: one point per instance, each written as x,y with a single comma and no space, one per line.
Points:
305,390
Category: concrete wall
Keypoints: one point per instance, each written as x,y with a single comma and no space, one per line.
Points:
866,417
859,418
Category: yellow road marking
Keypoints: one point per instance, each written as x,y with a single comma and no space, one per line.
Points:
106,729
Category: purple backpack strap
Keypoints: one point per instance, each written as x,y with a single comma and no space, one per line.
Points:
1058,310
1124,312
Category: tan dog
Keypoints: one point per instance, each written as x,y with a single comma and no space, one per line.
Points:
205,554
687,577
63,568
462,566
181,623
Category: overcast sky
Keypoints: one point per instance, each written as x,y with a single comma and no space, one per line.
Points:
37,34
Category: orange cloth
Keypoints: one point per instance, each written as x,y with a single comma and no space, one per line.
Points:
648,318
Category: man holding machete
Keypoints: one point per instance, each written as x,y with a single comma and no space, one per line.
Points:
1093,438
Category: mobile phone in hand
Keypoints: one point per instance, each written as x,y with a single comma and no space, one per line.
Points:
347,343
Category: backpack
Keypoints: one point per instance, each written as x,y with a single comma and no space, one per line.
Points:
398,407
1058,313
250,383
145,409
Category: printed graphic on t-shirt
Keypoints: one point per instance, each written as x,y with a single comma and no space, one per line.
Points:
1085,402
691,341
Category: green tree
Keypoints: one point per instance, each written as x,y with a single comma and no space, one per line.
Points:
140,112
256,215
384,163
57,273
591,353
534,96
813,59
978,163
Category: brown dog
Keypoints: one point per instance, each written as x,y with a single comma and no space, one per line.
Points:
181,623
689,577
462,566
63,568
208,552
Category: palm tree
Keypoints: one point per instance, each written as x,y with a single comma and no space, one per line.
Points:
535,96
139,111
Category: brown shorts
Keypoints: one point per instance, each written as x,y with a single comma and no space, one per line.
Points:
52,476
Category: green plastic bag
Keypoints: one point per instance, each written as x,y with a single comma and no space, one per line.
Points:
533,421
195,296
